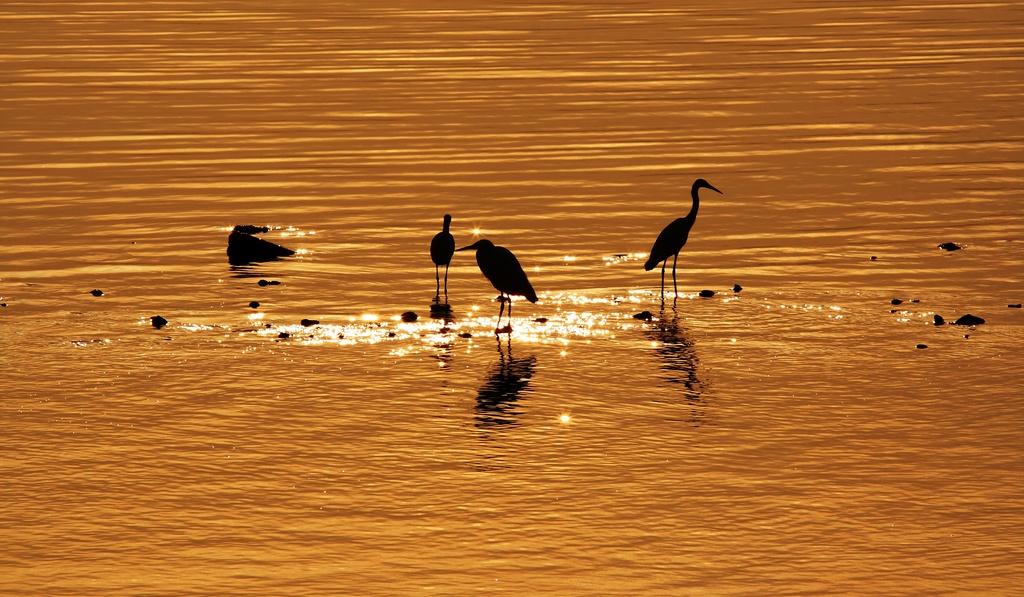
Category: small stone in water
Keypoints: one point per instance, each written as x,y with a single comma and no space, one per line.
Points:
938,320
268,282
736,288
922,346
309,322
896,302
284,335
707,293
969,320
254,304
541,320
644,316
950,247
465,335
409,317
874,257
97,292
1014,306
158,322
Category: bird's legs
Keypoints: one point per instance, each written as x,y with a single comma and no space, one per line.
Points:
675,289
437,276
501,311
446,283
663,278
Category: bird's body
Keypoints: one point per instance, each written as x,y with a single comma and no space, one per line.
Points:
675,235
442,247
504,272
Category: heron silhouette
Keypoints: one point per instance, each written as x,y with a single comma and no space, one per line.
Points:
442,247
501,267
673,237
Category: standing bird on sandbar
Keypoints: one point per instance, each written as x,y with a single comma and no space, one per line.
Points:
673,237
501,267
442,247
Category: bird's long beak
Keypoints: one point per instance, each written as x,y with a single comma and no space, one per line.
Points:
715,190
464,248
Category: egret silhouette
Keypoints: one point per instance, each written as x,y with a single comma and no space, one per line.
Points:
673,237
442,247
501,267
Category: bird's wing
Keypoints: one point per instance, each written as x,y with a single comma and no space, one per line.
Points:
669,242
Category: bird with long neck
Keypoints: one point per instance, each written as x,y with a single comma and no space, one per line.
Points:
442,247
674,236
502,269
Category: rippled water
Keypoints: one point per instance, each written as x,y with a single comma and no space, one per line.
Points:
789,438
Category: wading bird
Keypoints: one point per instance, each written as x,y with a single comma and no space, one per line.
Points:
442,247
501,267
673,237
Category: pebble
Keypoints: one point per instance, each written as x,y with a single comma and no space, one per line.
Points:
644,316
969,320
541,320
1014,306
950,247
284,335
736,288
938,320
896,302
268,283
465,335
922,346
309,322
409,316
874,257
254,304
158,322
707,293
97,292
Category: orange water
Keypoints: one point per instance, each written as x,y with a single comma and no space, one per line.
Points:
786,439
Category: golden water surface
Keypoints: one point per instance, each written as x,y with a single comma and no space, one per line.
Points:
804,435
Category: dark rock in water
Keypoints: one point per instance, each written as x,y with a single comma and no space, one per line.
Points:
158,322
309,322
1014,306
3,304
391,334
465,335
409,317
874,257
969,320
938,320
950,247
736,288
644,316
707,293
541,320
250,229
283,335
922,346
244,248
896,302
915,300
268,283
96,292
254,304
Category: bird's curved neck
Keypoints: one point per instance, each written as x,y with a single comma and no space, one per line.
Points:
696,203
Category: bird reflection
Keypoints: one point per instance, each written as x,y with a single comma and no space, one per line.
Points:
497,402
681,365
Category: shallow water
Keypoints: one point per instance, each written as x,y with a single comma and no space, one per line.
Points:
789,438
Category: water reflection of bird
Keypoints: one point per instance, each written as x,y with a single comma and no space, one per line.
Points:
501,267
673,237
442,247
497,400
680,362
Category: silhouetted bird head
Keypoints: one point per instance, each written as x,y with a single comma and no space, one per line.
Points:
483,243
700,183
